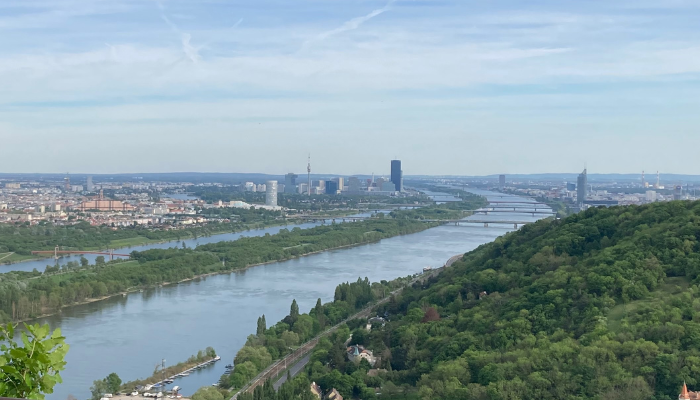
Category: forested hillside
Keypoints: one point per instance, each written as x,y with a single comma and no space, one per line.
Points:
604,304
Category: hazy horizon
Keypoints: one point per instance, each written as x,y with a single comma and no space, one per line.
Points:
315,175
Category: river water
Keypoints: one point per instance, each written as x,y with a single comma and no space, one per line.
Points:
40,265
130,335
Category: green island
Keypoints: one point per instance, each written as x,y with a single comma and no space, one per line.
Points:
604,304
31,294
18,241
27,295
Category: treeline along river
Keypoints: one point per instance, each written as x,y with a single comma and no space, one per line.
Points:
130,335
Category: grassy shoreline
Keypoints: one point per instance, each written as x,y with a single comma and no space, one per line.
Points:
143,241
145,287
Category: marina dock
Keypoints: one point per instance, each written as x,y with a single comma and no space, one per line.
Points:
161,384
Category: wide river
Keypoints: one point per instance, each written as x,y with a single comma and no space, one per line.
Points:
130,335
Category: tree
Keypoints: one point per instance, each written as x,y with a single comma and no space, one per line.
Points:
98,388
207,393
304,327
84,261
100,260
261,326
294,311
113,382
32,370
430,315
318,310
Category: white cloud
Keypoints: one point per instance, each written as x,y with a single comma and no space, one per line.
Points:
349,25
421,69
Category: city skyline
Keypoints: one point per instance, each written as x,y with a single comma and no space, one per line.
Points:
450,88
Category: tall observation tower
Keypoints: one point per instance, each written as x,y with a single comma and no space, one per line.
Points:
308,175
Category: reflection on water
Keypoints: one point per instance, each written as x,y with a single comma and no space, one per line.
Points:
129,335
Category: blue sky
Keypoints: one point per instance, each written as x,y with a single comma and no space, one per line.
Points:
450,87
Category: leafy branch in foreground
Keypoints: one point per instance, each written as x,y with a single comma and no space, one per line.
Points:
31,370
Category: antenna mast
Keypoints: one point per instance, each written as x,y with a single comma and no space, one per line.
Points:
308,172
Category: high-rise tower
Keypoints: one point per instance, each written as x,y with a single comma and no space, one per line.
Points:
397,175
271,193
582,187
290,183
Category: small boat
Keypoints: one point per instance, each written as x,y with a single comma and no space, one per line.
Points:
217,358
184,374
229,366
168,381
426,269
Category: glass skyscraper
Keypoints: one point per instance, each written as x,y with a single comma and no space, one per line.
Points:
582,187
397,175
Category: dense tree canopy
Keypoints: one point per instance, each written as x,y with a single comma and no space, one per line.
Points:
280,339
604,304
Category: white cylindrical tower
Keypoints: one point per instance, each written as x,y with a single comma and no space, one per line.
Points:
271,193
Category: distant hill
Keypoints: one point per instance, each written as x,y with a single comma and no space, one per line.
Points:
571,177
221,177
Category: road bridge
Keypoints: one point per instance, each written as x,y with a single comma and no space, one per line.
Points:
317,218
532,203
533,212
460,222
518,207
56,252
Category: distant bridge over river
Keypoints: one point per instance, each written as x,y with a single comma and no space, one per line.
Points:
456,222
56,253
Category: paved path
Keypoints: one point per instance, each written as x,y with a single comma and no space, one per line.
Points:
294,371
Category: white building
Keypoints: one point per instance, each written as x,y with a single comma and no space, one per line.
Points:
651,196
271,193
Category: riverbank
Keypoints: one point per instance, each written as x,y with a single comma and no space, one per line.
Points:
121,244
221,311
278,366
214,268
